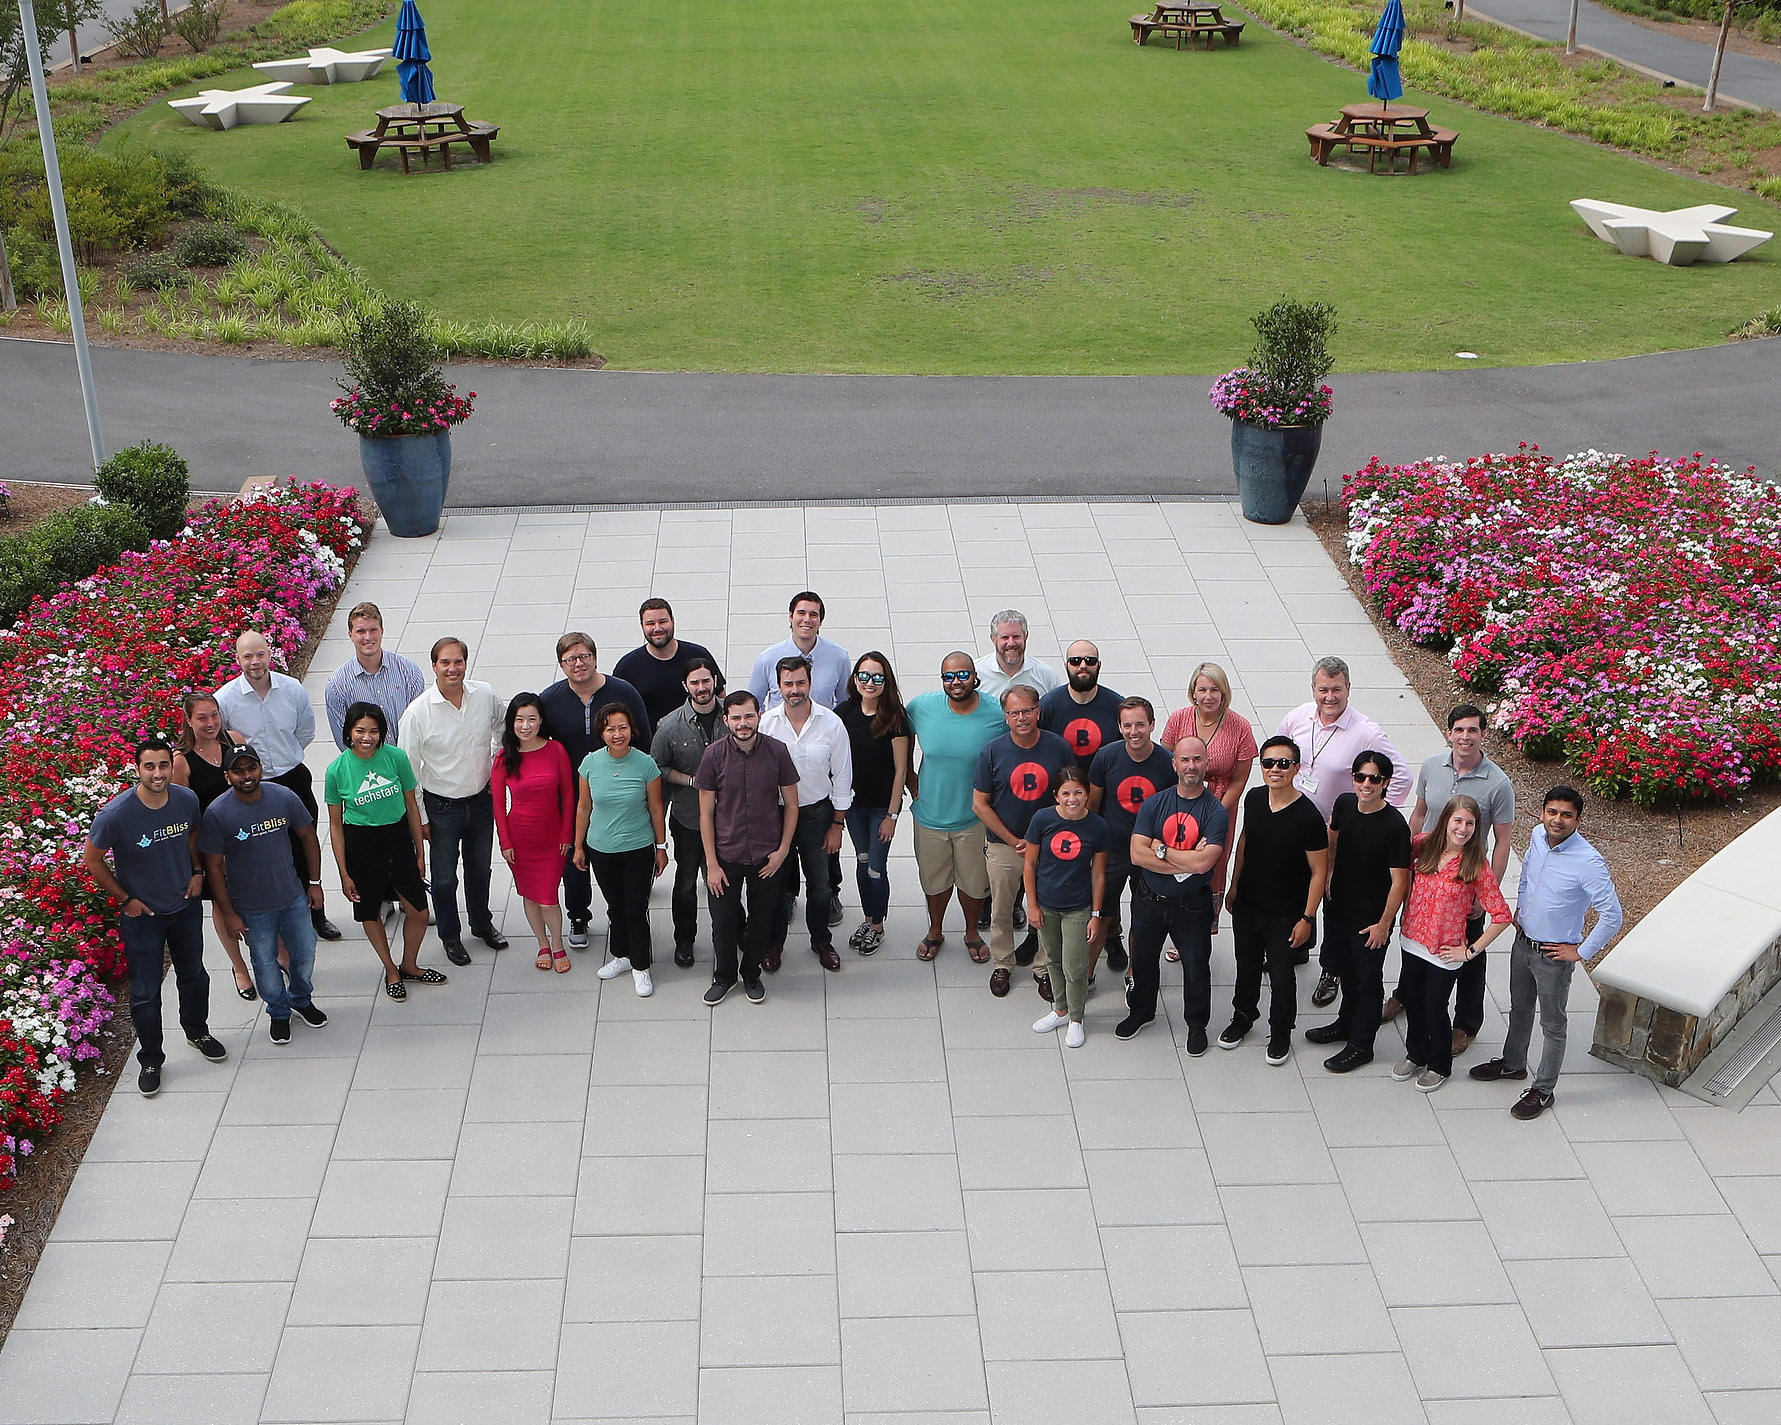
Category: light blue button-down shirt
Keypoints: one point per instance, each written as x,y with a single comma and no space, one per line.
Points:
1559,883
830,668
280,725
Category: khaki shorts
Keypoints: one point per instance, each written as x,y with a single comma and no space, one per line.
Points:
946,859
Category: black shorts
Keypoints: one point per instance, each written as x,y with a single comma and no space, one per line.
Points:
380,860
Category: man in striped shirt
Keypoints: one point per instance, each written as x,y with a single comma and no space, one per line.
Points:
372,675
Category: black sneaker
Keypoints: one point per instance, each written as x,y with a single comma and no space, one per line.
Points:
715,995
755,991
1348,1060
455,952
1128,1027
577,936
148,1082
310,1015
1196,1042
1325,1034
836,912
1116,956
1279,1049
683,956
1234,1035
209,1048
279,1030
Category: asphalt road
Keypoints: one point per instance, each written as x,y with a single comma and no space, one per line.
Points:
547,437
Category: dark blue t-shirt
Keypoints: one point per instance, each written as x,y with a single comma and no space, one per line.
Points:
1021,780
1126,786
1065,874
149,848
1181,825
1085,727
255,839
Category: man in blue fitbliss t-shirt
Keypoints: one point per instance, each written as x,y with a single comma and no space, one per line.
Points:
1176,841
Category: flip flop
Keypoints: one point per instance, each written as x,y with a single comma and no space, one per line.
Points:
978,950
1172,955
929,947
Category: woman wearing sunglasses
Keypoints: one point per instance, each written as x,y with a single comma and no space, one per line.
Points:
1451,873
878,734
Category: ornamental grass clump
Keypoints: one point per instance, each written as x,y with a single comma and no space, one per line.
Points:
1283,383
396,384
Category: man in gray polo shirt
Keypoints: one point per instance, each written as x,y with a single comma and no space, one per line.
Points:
1465,771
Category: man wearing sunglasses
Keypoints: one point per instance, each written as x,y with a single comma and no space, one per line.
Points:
1082,712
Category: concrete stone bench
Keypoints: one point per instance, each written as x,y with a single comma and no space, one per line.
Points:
326,66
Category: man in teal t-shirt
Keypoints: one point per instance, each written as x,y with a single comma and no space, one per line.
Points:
952,725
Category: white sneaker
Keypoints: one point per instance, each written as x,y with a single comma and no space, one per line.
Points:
645,986
1076,1034
1046,1023
1428,1081
613,968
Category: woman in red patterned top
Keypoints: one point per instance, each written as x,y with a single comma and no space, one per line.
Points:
1230,756
1451,873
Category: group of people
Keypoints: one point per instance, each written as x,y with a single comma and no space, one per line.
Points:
1037,799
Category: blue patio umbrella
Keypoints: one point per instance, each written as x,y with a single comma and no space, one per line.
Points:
411,54
1383,81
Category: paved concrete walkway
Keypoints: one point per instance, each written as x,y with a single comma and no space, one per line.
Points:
1741,76
552,437
879,1197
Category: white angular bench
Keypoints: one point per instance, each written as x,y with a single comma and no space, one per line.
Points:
1679,237
327,66
225,108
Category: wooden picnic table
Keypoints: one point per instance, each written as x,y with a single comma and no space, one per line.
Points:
1388,129
423,129
1185,21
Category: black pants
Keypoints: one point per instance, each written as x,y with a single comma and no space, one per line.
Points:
689,870
625,879
578,892
465,824
1263,942
1187,920
1362,972
1468,998
146,937
299,780
1428,1032
738,946
807,851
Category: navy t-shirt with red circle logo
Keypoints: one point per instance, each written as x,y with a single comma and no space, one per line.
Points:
1086,727
1181,824
1021,780
1064,876
1125,785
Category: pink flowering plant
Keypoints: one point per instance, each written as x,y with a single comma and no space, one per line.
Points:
83,675
1283,383
1624,613
396,385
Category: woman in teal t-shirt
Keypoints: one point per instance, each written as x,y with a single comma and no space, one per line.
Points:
375,828
621,834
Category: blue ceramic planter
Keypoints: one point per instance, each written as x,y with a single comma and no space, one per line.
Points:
1273,466
409,477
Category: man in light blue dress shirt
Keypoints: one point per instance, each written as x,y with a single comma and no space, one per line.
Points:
1562,877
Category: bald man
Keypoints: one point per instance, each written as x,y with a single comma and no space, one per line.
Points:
272,711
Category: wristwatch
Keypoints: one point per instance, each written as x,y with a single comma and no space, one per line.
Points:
661,846
1162,852
1309,919
1096,914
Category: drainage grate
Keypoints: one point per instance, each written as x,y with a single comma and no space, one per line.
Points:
1732,1072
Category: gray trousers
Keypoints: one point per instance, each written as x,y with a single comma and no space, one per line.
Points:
1533,978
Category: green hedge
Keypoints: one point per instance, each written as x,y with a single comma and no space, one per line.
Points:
63,549
153,481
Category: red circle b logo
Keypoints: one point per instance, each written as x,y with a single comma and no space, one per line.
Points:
1084,737
1131,792
1029,781
1066,845
1181,832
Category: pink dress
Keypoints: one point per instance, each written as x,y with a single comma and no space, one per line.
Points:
540,819
1234,742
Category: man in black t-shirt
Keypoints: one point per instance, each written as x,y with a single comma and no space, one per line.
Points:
1121,776
657,669
1278,874
1082,712
1369,878
1177,837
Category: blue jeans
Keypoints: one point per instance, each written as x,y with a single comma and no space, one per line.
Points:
467,823
146,938
264,930
870,855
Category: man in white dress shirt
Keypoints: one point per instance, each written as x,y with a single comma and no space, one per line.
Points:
818,742
450,733
271,710
1007,663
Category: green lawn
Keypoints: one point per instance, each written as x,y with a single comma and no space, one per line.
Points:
917,185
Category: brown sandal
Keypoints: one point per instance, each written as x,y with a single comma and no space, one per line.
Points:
978,951
929,947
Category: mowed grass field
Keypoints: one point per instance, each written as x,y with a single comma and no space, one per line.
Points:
943,187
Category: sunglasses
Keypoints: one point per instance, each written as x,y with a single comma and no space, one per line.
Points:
1372,777
1083,662
1275,764
957,677
876,679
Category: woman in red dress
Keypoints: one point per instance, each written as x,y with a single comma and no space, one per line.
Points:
534,792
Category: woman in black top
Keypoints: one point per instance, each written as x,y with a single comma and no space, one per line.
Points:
198,764
879,736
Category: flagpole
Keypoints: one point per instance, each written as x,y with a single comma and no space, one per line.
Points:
52,171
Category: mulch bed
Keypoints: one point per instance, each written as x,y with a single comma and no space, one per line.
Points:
1649,850
30,503
48,1173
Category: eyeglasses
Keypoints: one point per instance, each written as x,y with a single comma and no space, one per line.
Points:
1083,662
957,677
1371,777
1275,764
576,658
876,679
1022,712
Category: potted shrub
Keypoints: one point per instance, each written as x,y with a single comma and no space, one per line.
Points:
1277,405
402,408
